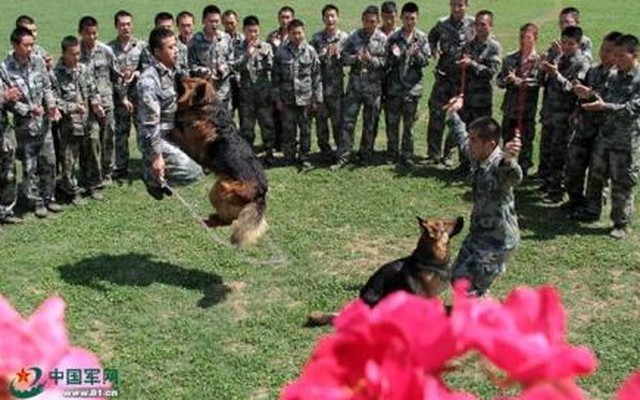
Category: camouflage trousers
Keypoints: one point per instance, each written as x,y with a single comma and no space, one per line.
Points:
252,110
480,266
329,114
80,157
123,122
554,146
108,143
441,93
38,167
370,114
527,136
620,164
179,167
8,183
405,109
578,160
296,122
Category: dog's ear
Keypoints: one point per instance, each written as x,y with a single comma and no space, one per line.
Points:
422,223
184,88
199,94
455,226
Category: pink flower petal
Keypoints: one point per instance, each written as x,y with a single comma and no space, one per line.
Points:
630,390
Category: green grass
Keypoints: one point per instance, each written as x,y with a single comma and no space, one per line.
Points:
180,315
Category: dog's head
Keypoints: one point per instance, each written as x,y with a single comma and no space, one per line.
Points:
194,93
436,235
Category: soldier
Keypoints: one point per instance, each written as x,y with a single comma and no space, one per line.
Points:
559,104
184,21
617,150
29,74
81,106
230,22
364,51
128,51
157,105
447,39
211,52
8,145
253,64
388,17
164,20
108,78
297,87
494,233
407,55
587,124
570,16
520,76
328,43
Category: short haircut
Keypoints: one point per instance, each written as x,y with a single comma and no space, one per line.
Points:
295,23
486,128
162,16
183,14
409,7
18,33
68,42
120,14
389,7
250,20
629,42
485,12
156,37
574,12
210,9
572,32
612,36
87,22
329,7
530,26
371,10
229,13
24,20
288,9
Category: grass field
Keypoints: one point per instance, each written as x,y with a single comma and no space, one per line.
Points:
182,317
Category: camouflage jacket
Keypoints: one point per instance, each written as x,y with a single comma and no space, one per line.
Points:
254,70
494,222
277,38
106,72
621,128
4,121
296,75
129,59
35,87
520,101
330,65
405,72
75,87
598,79
365,76
157,105
447,40
216,56
559,99
182,64
485,64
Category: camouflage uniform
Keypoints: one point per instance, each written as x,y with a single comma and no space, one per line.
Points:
582,144
485,64
79,131
8,184
493,232
297,84
254,91
276,39
216,58
39,51
332,88
447,39
617,149
559,104
364,89
157,105
236,40
108,79
128,60
404,88
384,103
182,64
35,142
520,103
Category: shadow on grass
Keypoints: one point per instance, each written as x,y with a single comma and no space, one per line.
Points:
142,270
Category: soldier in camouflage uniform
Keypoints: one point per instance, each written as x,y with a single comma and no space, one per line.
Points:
364,51
520,77
447,39
493,232
29,74
127,50
297,88
587,124
164,20
570,16
253,64
328,44
211,53
388,18
230,22
157,104
407,55
184,23
617,150
108,78
80,105
8,183
559,104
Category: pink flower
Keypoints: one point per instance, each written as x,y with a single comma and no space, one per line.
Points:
42,342
630,390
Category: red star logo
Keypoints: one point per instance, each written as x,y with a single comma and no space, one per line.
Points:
23,376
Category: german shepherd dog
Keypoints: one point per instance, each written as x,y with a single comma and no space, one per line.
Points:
205,130
426,272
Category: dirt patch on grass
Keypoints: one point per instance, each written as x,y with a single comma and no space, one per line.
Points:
237,300
368,252
100,344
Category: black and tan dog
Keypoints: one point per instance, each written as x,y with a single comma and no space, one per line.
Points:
426,272
205,130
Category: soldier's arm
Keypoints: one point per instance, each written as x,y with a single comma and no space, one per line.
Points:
65,106
378,57
501,78
434,38
49,95
276,78
115,75
565,83
421,58
194,58
491,66
240,59
629,109
149,116
509,173
458,129
348,53
316,79
94,94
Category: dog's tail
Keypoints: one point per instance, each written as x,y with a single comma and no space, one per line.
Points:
319,318
251,224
